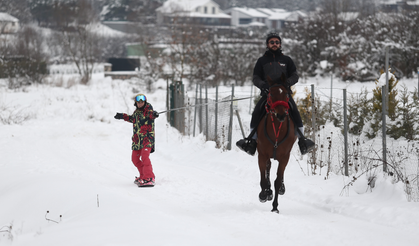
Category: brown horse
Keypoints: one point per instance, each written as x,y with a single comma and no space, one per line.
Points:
276,136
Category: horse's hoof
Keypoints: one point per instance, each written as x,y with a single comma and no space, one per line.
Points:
281,190
275,210
265,195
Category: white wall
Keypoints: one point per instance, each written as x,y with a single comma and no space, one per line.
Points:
9,27
210,5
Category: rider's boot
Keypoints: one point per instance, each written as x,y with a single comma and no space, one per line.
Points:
248,145
305,144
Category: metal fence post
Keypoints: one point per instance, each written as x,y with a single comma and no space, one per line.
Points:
313,114
230,127
196,102
331,95
384,114
386,64
200,108
251,97
181,117
206,112
216,113
168,98
345,132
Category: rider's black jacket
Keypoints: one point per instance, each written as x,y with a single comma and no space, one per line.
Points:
272,65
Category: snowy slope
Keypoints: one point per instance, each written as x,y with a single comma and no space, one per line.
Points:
73,159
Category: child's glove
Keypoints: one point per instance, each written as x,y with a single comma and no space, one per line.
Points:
119,116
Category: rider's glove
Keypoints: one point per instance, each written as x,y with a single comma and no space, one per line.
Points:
265,89
119,116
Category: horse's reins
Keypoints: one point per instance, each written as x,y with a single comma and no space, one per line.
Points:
270,106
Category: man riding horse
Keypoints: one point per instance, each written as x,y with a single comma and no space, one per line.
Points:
271,66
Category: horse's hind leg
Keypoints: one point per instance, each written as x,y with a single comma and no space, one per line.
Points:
265,183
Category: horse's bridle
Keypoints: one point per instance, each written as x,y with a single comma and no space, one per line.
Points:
270,109
270,106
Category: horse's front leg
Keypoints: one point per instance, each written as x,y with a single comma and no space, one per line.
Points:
279,186
265,183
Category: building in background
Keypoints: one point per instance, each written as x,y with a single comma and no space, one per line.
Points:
399,6
274,19
200,12
247,17
8,24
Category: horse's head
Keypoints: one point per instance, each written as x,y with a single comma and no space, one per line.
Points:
278,100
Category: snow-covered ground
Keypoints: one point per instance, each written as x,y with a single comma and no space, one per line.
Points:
70,157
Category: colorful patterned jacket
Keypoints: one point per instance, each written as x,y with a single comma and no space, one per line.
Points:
143,127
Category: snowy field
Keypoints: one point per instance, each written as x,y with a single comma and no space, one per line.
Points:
70,157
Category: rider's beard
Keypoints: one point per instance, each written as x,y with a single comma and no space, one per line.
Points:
277,51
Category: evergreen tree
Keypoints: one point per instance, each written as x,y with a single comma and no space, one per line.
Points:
407,117
376,119
359,108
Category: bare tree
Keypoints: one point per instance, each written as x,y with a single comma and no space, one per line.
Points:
23,60
80,43
82,47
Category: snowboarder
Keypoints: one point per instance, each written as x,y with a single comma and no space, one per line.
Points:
143,139
273,64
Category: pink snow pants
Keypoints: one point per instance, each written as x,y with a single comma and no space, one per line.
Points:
141,160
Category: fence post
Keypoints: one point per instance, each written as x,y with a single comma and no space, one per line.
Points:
196,103
240,123
168,98
331,96
182,112
230,126
206,112
251,97
386,93
383,114
216,113
345,132
313,114
200,108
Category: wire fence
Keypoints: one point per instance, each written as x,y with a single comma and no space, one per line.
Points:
339,152
216,115
210,115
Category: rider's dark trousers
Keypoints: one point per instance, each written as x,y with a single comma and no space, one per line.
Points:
260,111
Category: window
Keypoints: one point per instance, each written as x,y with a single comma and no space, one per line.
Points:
213,10
205,10
244,21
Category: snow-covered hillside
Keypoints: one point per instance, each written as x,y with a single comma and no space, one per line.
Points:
70,157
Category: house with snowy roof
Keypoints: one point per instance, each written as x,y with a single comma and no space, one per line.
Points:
271,18
279,17
247,16
200,12
8,23
399,5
